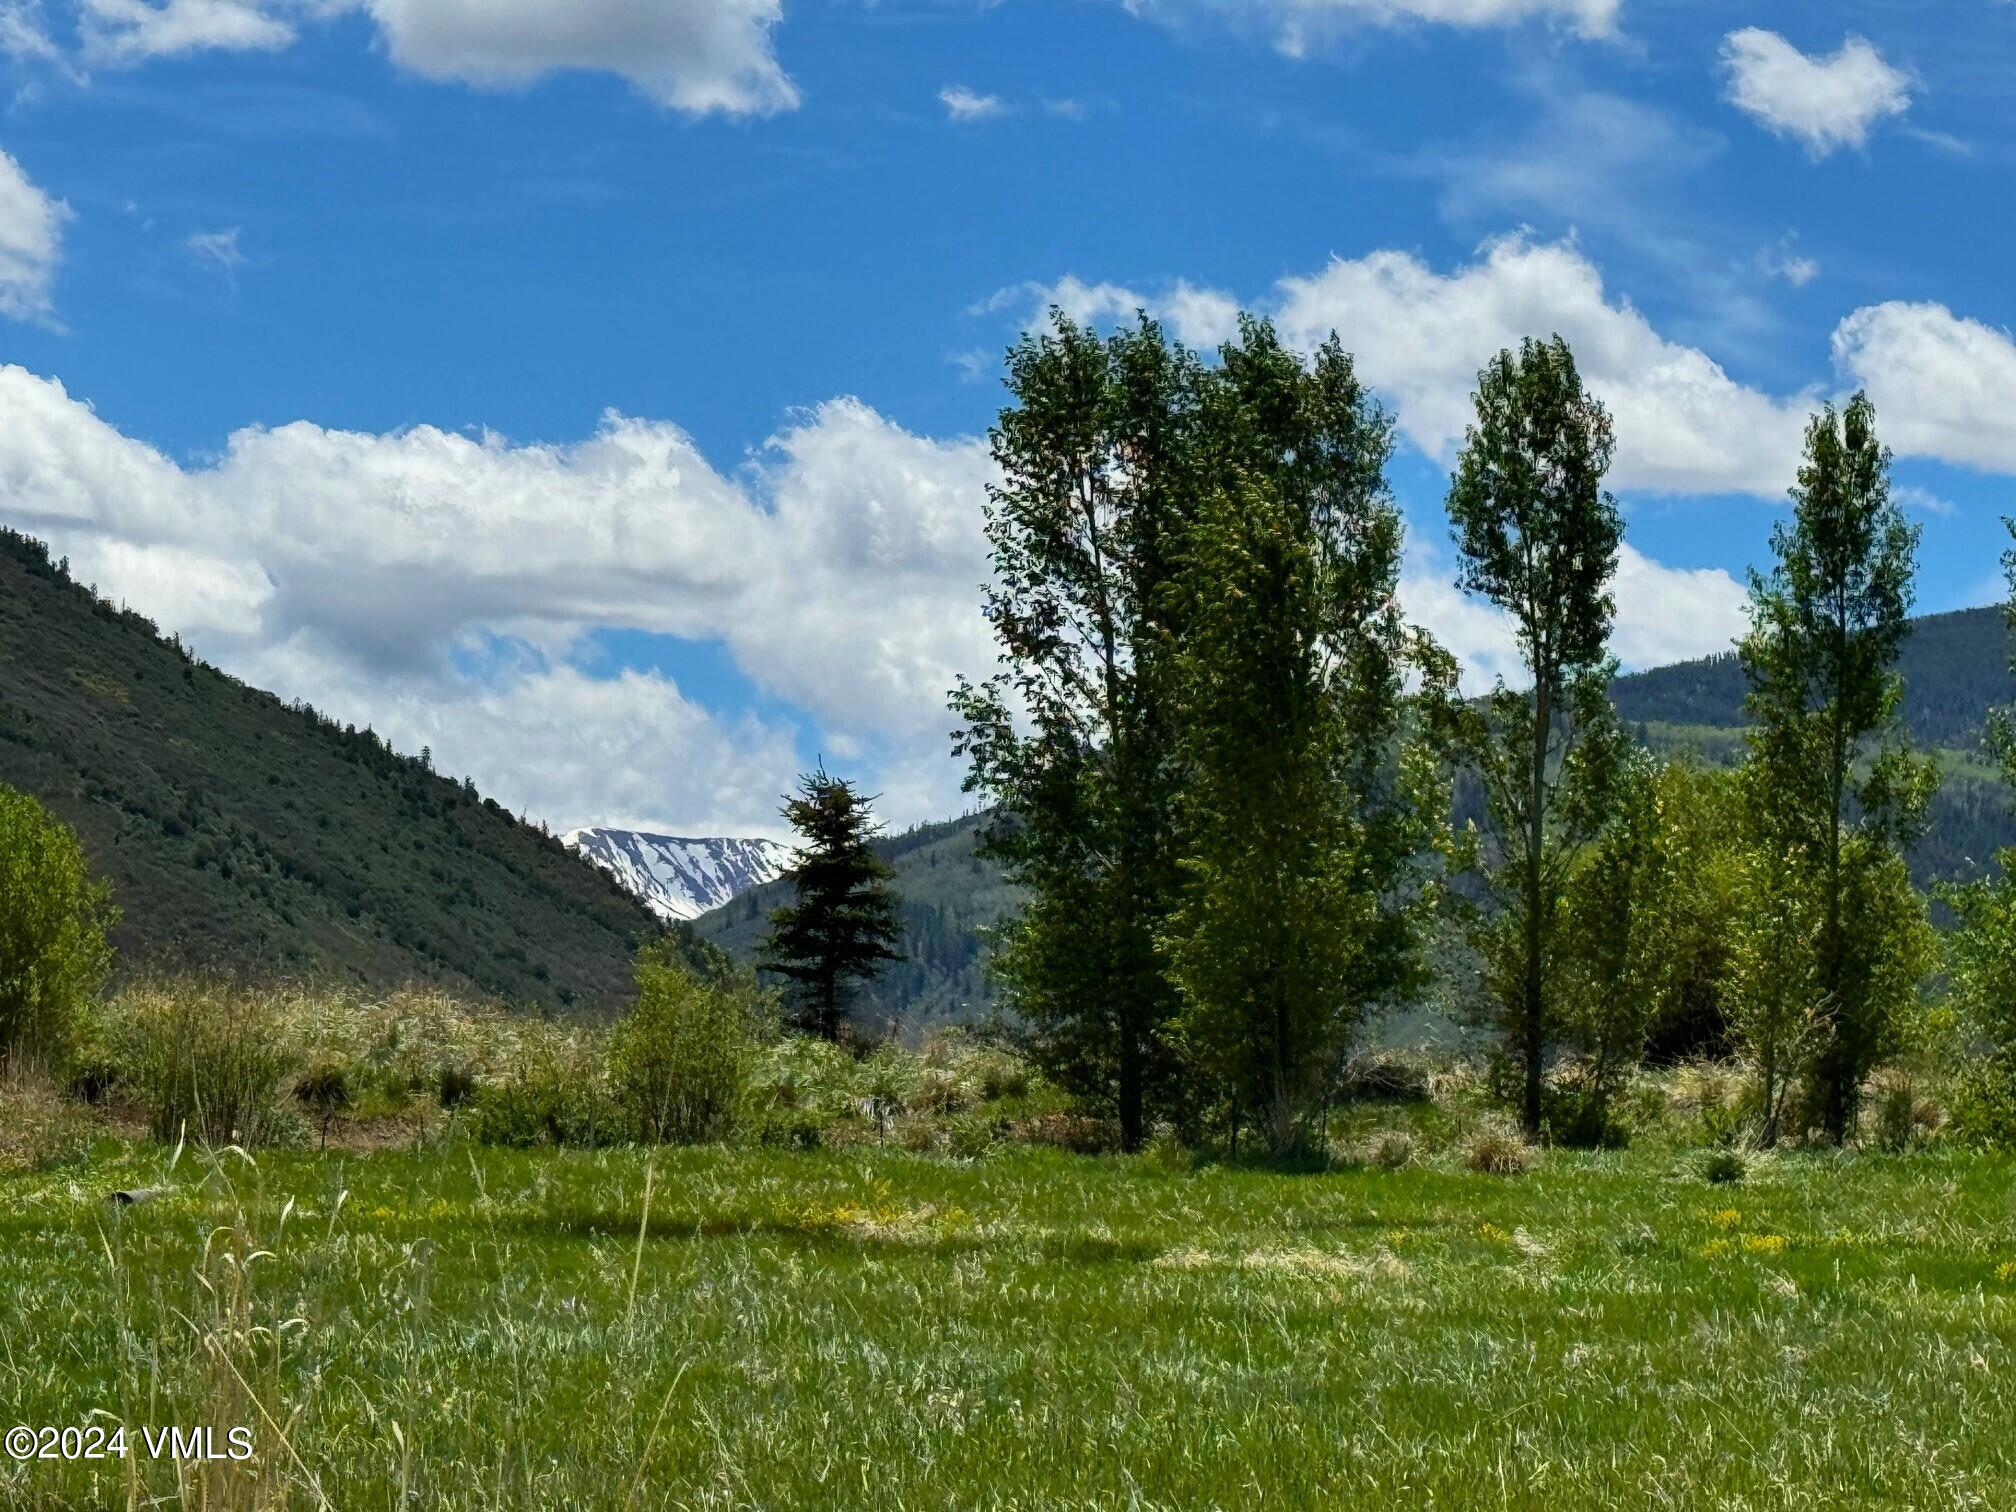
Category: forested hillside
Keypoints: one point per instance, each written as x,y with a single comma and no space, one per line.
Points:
1955,668
242,835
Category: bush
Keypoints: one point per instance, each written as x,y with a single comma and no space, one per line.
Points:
1721,1167
1498,1149
53,922
205,1060
555,1093
324,1090
1582,1119
1392,1150
1903,1116
679,1062
1385,1076
39,1127
1984,1102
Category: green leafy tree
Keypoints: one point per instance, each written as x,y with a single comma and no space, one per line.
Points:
1538,539
1772,1001
1700,820
1307,811
1073,739
1981,953
842,925
1617,966
54,918
679,1060
1835,793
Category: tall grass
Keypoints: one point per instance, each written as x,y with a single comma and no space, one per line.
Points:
712,1328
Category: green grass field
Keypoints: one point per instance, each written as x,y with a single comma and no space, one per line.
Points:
1034,1329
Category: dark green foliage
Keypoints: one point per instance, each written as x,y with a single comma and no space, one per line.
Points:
1954,668
1834,789
324,1090
455,1087
952,898
1306,810
1072,738
53,921
1538,539
841,925
241,835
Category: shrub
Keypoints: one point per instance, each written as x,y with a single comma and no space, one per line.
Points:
1392,1151
204,1059
53,922
324,1090
1498,1149
454,1086
1385,1076
554,1093
679,1061
39,1127
1721,1167
1903,1116
1984,1102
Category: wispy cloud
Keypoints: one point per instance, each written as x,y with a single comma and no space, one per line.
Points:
216,249
963,104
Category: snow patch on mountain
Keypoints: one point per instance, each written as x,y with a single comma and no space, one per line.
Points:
678,877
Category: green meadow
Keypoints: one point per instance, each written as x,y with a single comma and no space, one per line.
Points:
481,1327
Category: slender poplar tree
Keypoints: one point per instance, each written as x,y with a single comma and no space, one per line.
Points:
1836,794
841,926
1072,739
1538,539
1308,815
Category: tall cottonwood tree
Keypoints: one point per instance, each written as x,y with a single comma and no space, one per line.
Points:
1537,538
841,926
1307,813
1981,951
1836,794
1073,737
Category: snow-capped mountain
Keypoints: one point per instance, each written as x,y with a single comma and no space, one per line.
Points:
676,877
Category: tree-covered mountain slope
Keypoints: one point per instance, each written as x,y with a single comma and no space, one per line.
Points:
1955,668
246,836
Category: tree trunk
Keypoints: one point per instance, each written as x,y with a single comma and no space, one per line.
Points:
1532,1040
1132,1100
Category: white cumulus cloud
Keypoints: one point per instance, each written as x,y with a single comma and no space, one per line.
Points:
1420,336
692,55
31,244
1944,386
1824,102
130,31
457,578
699,56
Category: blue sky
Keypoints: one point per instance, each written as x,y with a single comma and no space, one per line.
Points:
591,392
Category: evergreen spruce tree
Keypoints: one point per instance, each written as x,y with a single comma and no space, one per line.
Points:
1538,539
1835,793
842,926
1073,739
1306,811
